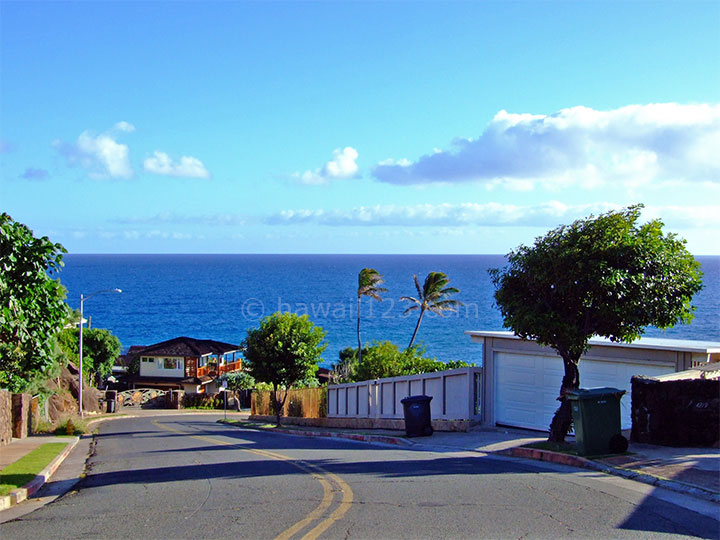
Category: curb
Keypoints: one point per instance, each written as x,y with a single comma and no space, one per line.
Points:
629,474
28,490
359,437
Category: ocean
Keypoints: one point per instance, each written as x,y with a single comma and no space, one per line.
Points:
221,296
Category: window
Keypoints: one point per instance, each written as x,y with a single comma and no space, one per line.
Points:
168,363
147,359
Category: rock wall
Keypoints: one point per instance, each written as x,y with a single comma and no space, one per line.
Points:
63,402
676,413
21,415
5,417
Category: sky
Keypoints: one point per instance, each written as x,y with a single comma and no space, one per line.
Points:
355,127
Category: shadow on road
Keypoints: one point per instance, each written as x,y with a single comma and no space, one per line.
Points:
652,514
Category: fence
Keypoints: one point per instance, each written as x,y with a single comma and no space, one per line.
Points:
300,403
456,395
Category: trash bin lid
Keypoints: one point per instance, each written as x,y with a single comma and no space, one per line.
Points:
415,399
592,393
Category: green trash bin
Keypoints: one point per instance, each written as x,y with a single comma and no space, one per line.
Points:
596,417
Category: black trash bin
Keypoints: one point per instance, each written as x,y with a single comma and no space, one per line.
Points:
417,416
596,417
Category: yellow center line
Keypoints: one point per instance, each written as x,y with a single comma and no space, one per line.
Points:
320,474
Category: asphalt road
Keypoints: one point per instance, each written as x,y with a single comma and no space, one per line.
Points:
189,477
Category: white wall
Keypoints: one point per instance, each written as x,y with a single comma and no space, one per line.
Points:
153,369
453,391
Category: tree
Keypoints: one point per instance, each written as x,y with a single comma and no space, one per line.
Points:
368,285
237,381
603,276
385,359
433,296
100,350
283,351
32,309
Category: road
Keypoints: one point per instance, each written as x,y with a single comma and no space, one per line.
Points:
190,477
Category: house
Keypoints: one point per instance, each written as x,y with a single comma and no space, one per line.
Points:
184,363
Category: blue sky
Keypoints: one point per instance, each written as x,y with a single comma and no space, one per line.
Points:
355,127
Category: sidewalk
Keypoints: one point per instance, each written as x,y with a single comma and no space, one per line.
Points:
19,448
691,471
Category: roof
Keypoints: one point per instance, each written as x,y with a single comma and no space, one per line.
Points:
187,346
680,345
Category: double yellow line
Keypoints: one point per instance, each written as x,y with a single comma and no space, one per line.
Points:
330,482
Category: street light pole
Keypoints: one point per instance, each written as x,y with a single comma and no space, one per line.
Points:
80,352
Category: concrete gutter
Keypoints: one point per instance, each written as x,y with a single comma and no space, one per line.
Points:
28,490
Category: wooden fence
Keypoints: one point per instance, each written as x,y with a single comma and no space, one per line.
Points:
300,403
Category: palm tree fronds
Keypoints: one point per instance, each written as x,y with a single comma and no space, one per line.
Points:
417,286
432,296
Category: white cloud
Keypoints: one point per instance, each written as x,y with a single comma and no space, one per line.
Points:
342,166
216,220
188,166
634,145
125,127
547,215
100,154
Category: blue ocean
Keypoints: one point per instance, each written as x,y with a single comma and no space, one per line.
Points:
221,296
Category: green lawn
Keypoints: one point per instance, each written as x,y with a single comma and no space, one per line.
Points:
26,468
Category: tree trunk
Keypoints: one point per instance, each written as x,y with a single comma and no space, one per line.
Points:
562,420
359,355
412,340
277,403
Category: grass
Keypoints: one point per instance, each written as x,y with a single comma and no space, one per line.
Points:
78,426
28,467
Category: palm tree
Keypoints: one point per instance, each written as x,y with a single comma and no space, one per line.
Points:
369,280
432,296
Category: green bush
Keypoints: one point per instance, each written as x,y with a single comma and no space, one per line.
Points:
384,359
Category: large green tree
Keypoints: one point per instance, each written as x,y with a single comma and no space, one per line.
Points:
605,276
432,296
283,351
369,281
100,350
32,309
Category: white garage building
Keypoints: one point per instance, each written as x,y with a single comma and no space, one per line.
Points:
521,379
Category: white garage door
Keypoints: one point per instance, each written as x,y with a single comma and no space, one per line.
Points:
526,386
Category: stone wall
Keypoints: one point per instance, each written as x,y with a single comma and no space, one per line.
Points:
5,417
175,400
34,414
676,412
21,415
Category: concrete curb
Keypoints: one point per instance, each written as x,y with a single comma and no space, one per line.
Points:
360,437
28,490
584,463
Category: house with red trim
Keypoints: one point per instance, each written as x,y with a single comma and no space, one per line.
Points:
183,363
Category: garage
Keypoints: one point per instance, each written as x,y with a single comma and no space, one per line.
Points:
527,385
